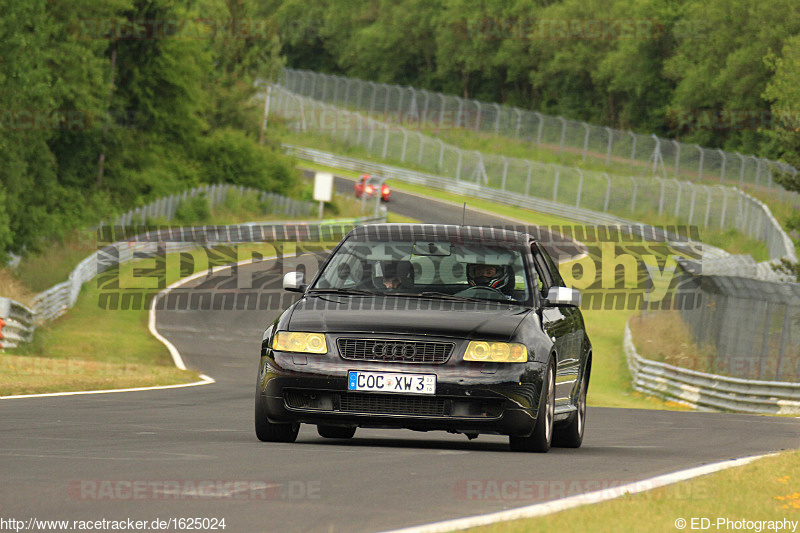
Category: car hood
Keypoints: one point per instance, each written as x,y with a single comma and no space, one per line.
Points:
447,318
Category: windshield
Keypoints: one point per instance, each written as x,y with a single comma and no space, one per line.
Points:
427,269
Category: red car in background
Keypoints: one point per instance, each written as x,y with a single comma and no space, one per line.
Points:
363,186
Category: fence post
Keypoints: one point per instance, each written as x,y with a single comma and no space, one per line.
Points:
769,172
303,83
400,107
555,183
758,168
785,332
677,156
724,207
708,206
678,199
478,117
528,182
635,188
661,198
633,149
372,98
541,125
460,112
585,140
519,120
458,165
610,133
421,147
722,169
405,143
347,84
741,169
608,192
335,100
441,112
702,155
385,142
580,188
563,134
691,203
441,153
505,173
497,119
324,87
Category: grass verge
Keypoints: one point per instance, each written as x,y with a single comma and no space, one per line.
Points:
91,348
764,490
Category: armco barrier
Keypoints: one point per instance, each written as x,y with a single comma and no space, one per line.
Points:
20,321
709,391
17,323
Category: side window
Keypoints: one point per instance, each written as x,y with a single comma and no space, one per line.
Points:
542,270
557,279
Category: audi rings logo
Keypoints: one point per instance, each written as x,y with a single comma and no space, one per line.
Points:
394,349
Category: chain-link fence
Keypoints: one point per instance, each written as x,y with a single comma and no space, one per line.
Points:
640,155
753,327
711,207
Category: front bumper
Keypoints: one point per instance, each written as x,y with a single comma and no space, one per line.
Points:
470,397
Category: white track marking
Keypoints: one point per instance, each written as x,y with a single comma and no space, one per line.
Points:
205,380
542,509
151,325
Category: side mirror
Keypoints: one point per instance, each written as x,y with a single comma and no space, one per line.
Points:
293,282
563,296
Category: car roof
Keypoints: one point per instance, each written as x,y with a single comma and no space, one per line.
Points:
452,233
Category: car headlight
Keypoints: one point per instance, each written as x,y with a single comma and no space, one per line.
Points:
496,352
296,341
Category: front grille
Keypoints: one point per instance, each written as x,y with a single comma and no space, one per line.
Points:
388,404
395,351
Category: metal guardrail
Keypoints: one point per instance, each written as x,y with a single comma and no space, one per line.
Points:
17,323
20,321
709,391
641,154
574,189
56,300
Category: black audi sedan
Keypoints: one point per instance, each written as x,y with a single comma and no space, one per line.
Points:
429,327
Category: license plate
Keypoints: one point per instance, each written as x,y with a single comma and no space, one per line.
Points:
392,382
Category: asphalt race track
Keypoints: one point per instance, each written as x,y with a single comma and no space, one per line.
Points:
192,452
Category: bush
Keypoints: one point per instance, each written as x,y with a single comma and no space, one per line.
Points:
193,210
230,156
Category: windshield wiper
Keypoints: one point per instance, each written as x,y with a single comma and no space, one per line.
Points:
448,296
347,292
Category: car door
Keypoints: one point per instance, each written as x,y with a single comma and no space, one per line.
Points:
560,323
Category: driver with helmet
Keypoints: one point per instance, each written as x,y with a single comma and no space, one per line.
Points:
492,276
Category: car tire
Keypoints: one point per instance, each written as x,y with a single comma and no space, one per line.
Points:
267,431
539,441
336,432
571,434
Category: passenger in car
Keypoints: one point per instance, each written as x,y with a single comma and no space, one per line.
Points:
397,274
